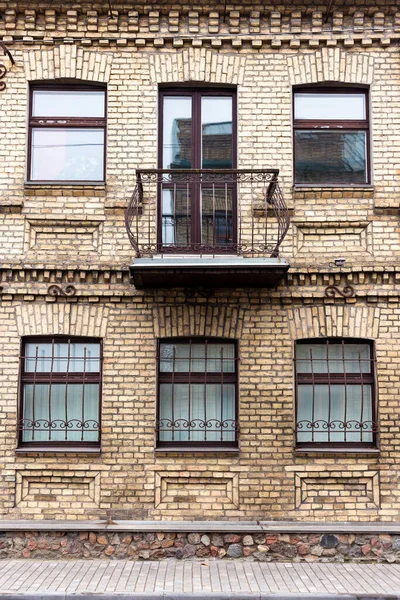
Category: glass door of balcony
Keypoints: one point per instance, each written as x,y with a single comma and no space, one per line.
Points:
197,195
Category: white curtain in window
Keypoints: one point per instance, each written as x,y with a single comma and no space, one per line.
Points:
336,404
205,406
61,405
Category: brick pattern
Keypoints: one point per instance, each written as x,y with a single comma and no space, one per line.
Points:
197,64
74,235
331,64
68,62
61,319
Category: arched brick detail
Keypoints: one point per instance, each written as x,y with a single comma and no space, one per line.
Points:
330,64
197,64
330,320
198,321
62,319
69,62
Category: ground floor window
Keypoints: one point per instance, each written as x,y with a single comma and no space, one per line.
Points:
197,396
335,392
60,391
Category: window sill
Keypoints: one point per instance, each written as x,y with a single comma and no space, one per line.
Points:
351,450
67,188
322,186
326,187
57,450
185,450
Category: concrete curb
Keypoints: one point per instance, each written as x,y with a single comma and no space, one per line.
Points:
392,528
186,596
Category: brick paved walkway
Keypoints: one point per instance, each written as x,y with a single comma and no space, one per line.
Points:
242,580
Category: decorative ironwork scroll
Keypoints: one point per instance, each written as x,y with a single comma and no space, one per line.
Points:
347,292
56,290
3,69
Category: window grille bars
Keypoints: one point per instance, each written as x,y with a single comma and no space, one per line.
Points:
335,393
60,392
197,393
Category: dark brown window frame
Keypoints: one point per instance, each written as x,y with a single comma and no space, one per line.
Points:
338,379
335,125
65,123
196,93
206,377
57,377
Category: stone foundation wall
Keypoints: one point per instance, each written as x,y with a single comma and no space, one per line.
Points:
263,547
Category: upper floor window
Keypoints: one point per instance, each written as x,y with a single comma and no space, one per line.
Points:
197,132
67,128
331,136
197,393
335,391
60,392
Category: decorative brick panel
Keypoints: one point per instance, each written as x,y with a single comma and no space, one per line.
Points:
345,491
60,490
71,238
196,491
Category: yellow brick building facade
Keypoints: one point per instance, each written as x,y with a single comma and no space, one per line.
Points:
65,258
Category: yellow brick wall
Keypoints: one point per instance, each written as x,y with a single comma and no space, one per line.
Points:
75,235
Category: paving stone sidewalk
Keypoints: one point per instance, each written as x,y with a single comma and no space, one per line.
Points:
173,580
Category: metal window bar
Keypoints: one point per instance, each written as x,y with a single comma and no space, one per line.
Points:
347,376
39,422
362,393
345,423
66,390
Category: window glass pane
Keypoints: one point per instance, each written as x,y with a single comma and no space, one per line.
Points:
333,358
177,132
176,217
67,154
216,128
73,103
330,157
216,217
62,358
60,412
335,413
329,107
197,358
197,412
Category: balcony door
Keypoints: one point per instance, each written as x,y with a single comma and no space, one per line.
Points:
197,193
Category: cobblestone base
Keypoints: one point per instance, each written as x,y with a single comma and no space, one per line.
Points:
157,546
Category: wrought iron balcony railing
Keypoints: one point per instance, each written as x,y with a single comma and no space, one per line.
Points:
208,211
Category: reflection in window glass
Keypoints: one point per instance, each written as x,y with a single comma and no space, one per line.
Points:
74,103
216,128
330,156
176,217
213,358
67,154
329,107
177,134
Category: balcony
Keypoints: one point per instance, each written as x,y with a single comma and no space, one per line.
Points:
207,228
